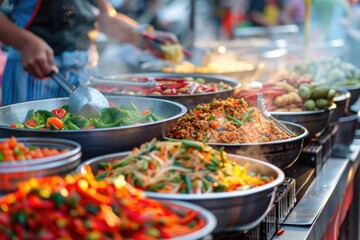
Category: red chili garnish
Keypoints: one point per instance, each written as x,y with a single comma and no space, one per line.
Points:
59,112
31,123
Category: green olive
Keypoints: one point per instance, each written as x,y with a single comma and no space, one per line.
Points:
320,92
321,103
305,92
309,105
331,94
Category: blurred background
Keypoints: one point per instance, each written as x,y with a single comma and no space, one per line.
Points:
266,33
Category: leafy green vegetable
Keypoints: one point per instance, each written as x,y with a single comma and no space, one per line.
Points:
111,115
41,116
79,121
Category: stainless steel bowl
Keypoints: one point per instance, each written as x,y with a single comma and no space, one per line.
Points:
354,91
237,210
189,100
95,141
314,121
210,219
282,153
342,101
11,173
347,127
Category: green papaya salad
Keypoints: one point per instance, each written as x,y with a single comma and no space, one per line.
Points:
61,119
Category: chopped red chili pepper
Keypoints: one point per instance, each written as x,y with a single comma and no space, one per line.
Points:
59,112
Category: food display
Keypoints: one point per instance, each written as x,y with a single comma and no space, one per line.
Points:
62,119
78,207
226,121
13,150
181,167
167,86
290,92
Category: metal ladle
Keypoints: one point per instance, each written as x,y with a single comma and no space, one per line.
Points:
84,101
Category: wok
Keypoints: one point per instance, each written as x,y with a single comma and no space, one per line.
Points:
189,100
95,141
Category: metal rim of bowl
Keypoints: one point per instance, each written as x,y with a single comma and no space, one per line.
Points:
304,113
160,74
48,165
218,195
301,136
76,149
204,213
182,112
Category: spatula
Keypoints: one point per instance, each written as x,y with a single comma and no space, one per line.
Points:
84,101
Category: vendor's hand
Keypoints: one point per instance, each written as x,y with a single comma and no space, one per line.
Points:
162,45
37,57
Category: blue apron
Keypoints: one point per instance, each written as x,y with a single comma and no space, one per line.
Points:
18,85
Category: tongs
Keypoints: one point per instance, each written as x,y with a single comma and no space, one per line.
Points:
161,41
124,82
266,114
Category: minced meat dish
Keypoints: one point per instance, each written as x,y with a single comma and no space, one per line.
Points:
226,121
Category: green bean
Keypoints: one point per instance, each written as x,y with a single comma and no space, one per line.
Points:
103,164
132,121
215,161
157,186
73,126
157,117
102,175
137,180
188,183
190,144
145,165
99,124
235,120
205,184
134,108
123,162
247,115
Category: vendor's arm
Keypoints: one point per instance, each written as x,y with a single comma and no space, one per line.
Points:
36,55
120,28
116,26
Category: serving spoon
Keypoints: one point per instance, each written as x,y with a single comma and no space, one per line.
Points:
84,101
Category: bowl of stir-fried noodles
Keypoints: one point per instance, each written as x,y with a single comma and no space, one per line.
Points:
240,129
237,190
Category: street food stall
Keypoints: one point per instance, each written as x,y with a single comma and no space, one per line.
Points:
249,138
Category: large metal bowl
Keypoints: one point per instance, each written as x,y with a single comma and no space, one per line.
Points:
189,100
11,173
237,210
282,153
210,219
342,101
314,121
95,141
354,91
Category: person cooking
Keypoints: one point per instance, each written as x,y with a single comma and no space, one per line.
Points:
55,35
